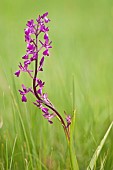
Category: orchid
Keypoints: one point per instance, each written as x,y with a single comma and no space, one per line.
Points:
37,50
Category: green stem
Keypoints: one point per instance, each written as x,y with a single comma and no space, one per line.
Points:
73,158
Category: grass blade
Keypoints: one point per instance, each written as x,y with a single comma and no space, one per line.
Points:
23,127
74,162
103,161
98,150
73,159
12,153
6,156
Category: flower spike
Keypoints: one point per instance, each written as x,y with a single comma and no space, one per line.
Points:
36,51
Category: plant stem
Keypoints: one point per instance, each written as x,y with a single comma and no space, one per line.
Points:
44,102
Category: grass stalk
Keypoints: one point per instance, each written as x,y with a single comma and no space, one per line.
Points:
10,166
6,156
73,158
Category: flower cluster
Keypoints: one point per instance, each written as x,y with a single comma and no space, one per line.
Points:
36,52
32,33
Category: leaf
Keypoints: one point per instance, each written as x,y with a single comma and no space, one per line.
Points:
12,155
98,150
74,162
103,161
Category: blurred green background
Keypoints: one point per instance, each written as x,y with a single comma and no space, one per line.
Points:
82,35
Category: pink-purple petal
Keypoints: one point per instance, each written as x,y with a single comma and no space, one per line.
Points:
17,73
46,52
24,99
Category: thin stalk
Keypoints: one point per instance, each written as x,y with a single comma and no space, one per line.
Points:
13,153
6,156
45,103
73,159
61,120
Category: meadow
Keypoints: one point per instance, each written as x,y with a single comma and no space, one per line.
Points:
78,75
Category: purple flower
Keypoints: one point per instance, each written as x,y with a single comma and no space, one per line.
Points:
39,91
46,37
43,28
46,52
34,57
24,68
31,26
24,88
40,83
25,56
46,44
68,120
27,62
45,97
27,35
17,73
44,16
45,110
49,117
24,99
39,19
30,47
30,23
24,92
38,103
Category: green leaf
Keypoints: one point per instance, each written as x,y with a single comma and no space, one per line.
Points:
98,150
74,162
